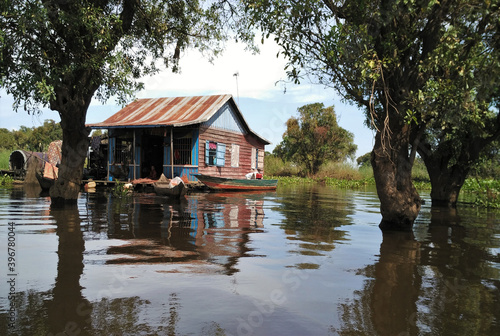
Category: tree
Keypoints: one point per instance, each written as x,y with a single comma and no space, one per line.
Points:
6,139
467,96
61,54
364,160
315,137
380,55
488,165
42,136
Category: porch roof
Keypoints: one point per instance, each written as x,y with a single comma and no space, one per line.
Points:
170,111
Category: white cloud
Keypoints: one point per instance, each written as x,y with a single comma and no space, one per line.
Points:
258,74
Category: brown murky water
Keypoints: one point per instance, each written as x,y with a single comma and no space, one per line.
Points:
299,261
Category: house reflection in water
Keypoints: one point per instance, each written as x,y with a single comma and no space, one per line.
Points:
209,231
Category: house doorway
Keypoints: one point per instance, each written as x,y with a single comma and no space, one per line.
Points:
152,153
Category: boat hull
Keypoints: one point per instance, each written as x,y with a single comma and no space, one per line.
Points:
221,183
163,189
45,183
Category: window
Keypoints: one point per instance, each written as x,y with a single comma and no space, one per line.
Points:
254,158
215,154
257,159
235,156
123,151
182,151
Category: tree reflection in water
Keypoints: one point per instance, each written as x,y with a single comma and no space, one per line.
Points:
69,311
211,228
437,286
441,280
313,220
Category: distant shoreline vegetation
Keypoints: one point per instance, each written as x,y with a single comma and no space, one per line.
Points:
479,191
482,191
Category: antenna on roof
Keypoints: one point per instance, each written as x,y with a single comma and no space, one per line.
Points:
236,74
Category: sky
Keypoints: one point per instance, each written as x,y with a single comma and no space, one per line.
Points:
261,91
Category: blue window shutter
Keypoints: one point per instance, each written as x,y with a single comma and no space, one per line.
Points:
207,154
221,155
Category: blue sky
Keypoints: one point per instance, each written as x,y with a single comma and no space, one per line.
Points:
259,89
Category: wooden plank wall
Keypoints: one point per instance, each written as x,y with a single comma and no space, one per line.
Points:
246,143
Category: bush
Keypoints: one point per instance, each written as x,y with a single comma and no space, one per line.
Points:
4,158
419,171
339,170
274,166
6,181
486,191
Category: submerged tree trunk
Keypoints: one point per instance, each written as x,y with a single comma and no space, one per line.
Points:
449,165
74,151
399,200
446,183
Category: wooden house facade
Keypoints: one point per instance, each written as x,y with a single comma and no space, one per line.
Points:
182,136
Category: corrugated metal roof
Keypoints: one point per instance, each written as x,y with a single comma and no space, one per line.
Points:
170,111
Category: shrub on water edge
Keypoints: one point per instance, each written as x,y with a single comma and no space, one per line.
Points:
287,180
6,181
274,166
349,184
486,191
419,171
339,170
4,158
119,190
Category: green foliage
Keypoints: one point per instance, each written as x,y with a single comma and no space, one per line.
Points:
349,184
486,192
364,160
4,158
275,166
62,54
119,190
419,171
103,47
6,181
290,180
419,68
339,170
6,139
314,138
488,165
33,139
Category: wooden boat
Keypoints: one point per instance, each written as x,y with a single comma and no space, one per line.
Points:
45,183
222,183
165,189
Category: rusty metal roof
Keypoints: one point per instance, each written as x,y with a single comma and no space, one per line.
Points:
170,111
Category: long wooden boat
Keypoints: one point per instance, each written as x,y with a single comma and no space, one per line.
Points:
164,189
45,183
222,183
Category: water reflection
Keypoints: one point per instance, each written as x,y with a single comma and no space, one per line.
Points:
302,261
314,220
442,285
213,228
68,311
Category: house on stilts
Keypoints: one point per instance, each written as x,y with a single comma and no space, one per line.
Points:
182,136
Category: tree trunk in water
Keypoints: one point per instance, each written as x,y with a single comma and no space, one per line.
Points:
448,168
74,151
446,185
399,200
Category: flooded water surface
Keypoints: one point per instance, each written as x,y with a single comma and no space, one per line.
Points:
305,260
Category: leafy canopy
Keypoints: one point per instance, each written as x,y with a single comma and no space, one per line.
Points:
314,138
54,52
31,138
404,61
